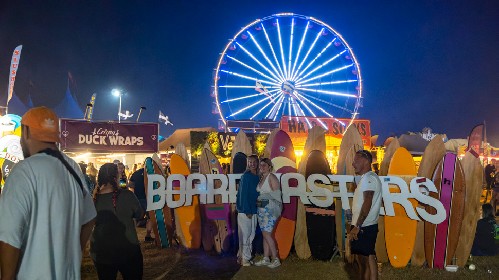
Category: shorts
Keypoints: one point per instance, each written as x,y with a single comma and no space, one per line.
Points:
366,241
266,220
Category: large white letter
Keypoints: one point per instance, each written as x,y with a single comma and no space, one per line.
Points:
426,199
158,192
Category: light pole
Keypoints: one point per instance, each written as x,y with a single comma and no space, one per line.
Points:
117,92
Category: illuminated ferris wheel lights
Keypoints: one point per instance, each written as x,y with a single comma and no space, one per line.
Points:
272,49
252,69
296,77
325,74
303,95
282,51
279,101
299,48
308,52
329,92
250,106
257,61
304,82
265,56
259,111
248,77
291,46
323,64
326,83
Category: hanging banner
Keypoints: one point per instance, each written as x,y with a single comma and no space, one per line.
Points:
14,66
108,137
299,126
475,139
91,109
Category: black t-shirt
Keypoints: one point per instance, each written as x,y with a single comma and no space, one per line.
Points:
114,239
138,181
484,242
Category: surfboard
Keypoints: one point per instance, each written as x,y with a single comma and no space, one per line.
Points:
284,161
216,224
473,174
242,145
321,230
381,254
316,140
162,222
181,150
441,240
433,153
400,230
187,218
350,144
270,141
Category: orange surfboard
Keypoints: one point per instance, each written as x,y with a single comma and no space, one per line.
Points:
187,218
400,230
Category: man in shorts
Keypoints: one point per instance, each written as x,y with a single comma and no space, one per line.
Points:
365,213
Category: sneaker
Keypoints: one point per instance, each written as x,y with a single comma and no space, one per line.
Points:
246,263
263,262
275,263
148,239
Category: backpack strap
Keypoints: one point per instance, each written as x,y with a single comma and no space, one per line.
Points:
58,154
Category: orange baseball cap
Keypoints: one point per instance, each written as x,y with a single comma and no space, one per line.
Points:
43,124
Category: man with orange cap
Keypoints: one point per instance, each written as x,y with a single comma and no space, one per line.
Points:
46,213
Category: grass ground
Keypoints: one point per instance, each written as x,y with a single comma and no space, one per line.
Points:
177,263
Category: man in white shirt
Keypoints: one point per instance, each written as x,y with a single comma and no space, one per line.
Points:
46,212
365,214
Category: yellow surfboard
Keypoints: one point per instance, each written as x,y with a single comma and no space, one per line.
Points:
400,230
187,218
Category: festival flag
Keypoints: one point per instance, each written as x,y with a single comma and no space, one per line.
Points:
163,118
91,109
14,66
475,140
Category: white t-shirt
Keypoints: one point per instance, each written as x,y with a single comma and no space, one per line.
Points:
368,182
42,209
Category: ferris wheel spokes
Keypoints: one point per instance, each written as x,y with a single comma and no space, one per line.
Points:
308,53
259,111
258,61
291,46
286,75
272,49
250,106
265,56
303,95
329,92
325,74
326,83
298,76
251,68
299,49
249,78
311,112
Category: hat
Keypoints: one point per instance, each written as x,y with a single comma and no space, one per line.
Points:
43,124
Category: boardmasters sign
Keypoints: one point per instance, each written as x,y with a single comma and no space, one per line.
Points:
108,137
317,189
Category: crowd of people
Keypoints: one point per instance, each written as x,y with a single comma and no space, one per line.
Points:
51,207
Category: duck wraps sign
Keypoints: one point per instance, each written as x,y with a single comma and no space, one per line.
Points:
108,137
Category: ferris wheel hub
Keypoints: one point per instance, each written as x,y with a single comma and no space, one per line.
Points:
288,87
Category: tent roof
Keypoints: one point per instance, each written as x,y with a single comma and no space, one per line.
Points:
16,106
69,108
182,135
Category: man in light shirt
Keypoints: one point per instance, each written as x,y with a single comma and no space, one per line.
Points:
365,210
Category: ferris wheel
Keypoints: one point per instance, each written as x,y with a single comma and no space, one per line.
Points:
287,65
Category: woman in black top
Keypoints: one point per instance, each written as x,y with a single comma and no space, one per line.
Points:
484,243
114,245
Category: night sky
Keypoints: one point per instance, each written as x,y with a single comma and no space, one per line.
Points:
424,63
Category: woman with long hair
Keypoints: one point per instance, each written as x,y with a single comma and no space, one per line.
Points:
269,205
114,245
